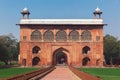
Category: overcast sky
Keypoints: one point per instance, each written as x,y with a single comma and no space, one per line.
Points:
55,9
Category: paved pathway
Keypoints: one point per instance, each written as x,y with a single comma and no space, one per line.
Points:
61,73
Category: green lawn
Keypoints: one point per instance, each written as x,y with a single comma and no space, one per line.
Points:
104,73
7,72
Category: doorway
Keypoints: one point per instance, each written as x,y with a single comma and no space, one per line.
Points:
60,58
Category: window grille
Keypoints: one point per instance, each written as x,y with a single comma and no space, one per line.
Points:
61,36
48,36
74,36
86,36
36,35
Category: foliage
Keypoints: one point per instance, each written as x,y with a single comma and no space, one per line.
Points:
104,73
2,63
111,49
7,72
8,48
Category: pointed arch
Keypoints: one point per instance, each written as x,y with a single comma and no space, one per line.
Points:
61,49
97,62
48,36
24,62
35,50
36,35
61,36
35,61
86,61
85,50
74,36
59,55
86,35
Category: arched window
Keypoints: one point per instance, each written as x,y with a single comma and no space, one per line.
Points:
85,50
48,36
35,61
36,35
61,36
35,50
86,36
74,35
86,61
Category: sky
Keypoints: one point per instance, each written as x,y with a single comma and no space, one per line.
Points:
59,9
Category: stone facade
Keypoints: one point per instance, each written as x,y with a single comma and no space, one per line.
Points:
77,42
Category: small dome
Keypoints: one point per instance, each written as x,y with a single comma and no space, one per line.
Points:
25,10
97,10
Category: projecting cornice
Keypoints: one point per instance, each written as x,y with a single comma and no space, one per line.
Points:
61,22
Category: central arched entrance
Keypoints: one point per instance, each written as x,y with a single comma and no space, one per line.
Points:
60,58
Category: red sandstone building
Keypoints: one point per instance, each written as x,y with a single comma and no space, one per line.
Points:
77,42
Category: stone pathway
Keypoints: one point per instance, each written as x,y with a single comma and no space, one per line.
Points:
61,73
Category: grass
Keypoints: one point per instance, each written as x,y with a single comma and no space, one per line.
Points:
8,72
104,73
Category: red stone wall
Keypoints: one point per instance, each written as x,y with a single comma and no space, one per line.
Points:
73,50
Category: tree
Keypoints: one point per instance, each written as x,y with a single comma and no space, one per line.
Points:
111,49
16,51
3,53
8,48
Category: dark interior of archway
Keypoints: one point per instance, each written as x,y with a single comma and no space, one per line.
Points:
35,49
60,58
85,50
35,61
97,62
85,61
24,62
